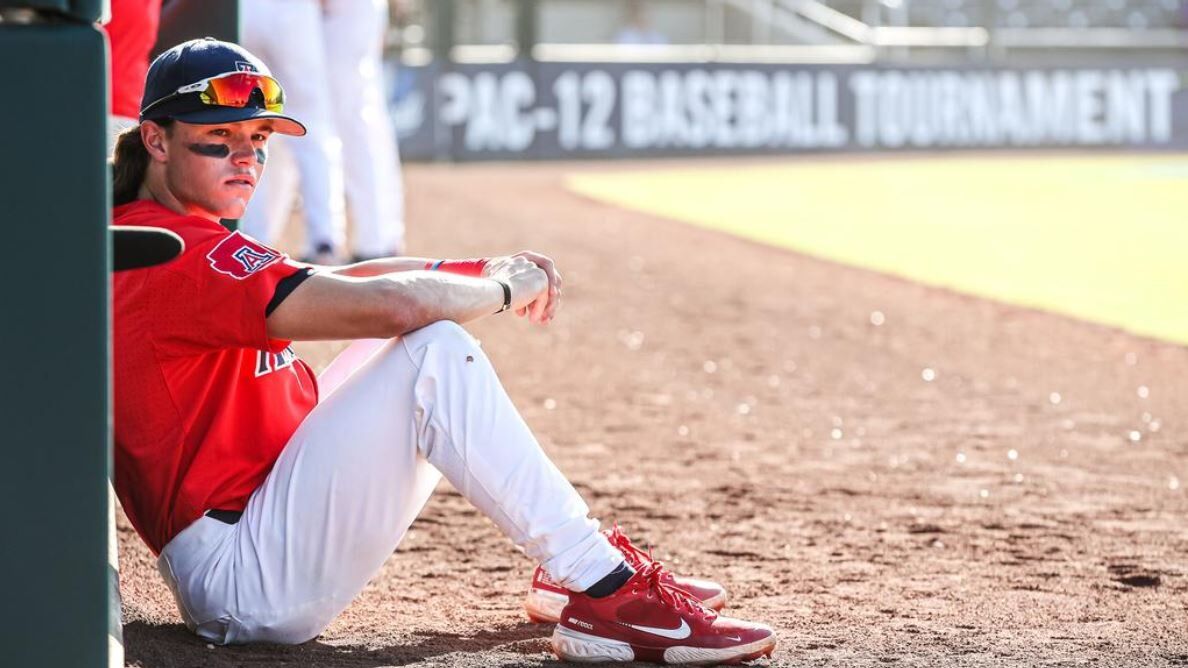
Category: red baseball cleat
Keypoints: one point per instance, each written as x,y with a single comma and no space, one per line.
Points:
649,620
546,597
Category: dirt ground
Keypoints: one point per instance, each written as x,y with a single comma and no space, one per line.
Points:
888,474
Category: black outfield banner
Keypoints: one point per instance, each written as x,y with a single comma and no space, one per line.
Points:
581,110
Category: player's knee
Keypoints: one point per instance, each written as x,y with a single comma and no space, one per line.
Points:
443,329
443,333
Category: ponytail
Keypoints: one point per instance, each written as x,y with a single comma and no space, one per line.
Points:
129,163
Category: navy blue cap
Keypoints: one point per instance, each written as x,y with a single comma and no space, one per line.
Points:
193,61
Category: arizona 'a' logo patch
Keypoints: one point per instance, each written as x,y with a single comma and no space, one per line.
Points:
240,256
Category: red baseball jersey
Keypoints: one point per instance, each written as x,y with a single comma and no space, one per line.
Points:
204,400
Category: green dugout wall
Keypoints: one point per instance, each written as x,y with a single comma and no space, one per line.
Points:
54,323
54,342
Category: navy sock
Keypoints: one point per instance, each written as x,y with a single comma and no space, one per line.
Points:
611,583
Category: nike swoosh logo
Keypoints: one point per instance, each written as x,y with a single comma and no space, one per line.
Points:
679,633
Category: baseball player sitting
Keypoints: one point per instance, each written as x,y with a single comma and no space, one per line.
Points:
272,496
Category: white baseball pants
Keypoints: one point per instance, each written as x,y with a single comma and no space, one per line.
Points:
328,55
287,35
394,416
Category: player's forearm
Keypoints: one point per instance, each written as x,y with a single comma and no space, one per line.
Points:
421,298
330,306
380,266
391,265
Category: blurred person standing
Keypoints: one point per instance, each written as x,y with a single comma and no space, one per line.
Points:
636,28
331,54
131,34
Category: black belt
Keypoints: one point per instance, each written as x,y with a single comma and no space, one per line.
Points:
225,516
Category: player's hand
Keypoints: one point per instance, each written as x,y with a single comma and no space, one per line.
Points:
543,305
529,283
552,301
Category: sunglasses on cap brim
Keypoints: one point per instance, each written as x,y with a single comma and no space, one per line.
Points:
232,89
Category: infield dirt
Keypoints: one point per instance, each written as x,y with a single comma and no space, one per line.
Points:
886,473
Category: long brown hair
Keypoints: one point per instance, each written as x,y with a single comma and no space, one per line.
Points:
129,162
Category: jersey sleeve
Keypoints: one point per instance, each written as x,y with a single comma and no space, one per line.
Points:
219,294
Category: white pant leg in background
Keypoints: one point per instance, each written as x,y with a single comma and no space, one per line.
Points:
288,36
272,202
354,37
356,474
